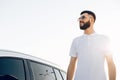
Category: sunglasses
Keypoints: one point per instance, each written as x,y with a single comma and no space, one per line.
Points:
82,17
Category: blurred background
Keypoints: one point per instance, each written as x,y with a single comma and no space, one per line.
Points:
46,28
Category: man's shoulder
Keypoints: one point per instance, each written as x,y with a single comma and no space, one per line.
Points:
102,35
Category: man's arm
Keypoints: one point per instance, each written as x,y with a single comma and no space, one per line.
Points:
111,67
71,68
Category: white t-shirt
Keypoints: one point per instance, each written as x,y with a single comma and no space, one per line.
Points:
90,51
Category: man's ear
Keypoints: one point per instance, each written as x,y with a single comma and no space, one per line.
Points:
91,19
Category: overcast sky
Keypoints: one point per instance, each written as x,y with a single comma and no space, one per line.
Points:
46,28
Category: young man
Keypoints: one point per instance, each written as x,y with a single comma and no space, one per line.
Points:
89,51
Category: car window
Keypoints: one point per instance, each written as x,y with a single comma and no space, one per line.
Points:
63,74
12,67
42,72
58,75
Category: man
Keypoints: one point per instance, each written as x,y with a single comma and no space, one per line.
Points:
90,51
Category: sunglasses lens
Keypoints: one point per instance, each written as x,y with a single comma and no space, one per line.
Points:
82,17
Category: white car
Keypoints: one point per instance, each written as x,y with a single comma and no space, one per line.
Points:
19,66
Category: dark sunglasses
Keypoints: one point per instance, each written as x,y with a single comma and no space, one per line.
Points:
82,17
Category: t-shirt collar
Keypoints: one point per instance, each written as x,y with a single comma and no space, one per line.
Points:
90,34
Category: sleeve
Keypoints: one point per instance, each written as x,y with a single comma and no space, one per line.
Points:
107,47
73,49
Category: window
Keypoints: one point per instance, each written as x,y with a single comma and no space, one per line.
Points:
63,74
41,71
13,67
58,75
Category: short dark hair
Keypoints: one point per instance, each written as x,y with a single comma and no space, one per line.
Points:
90,13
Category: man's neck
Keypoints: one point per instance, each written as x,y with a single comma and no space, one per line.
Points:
89,31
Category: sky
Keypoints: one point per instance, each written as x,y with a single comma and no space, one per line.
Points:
46,28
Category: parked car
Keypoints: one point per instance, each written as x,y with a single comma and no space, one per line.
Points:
19,66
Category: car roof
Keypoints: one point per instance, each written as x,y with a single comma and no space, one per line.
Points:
9,53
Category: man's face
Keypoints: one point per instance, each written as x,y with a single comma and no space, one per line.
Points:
84,21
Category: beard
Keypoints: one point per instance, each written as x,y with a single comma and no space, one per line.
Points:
85,26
